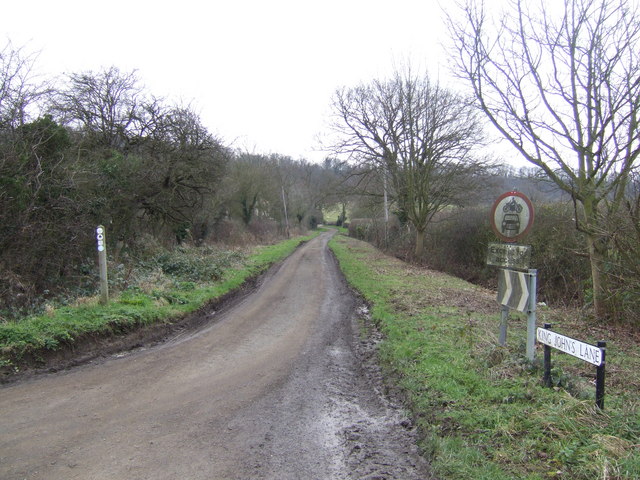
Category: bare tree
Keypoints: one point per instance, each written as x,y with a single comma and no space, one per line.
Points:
417,133
19,90
19,94
106,106
185,165
561,83
250,187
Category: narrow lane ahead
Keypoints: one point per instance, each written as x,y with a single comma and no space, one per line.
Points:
271,389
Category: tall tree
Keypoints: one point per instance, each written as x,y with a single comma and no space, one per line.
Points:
561,82
185,165
251,187
105,106
150,165
417,134
38,208
19,89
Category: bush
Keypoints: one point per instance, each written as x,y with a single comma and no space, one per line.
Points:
559,254
623,264
457,240
195,264
457,244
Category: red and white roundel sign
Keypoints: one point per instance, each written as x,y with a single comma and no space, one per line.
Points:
512,216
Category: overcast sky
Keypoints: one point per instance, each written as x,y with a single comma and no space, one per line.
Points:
260,73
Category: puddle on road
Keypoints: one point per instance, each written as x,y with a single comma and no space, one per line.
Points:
372,437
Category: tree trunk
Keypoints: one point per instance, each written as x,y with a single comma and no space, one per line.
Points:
597,256
598,279
419,243
286,215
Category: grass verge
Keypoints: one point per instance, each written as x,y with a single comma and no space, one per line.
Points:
482,410
177,284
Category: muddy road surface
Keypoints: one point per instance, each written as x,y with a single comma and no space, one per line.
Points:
281,386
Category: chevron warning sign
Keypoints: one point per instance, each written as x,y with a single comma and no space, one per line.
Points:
513,289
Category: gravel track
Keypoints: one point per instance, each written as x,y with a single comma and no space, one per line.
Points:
280,386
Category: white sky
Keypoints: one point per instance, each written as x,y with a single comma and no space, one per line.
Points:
260,73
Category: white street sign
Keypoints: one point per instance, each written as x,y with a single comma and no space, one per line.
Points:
584,351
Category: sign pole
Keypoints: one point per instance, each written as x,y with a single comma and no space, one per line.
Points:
503,325
531,315
511,218
101,240
600,377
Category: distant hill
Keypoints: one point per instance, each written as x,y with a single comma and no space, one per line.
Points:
538,190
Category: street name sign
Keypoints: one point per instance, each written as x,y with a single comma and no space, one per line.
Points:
584,351
509,255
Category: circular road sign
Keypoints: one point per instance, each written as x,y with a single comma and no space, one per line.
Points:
512,216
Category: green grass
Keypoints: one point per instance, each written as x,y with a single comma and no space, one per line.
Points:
179,283
332,214
482,410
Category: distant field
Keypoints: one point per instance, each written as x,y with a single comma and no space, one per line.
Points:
331,214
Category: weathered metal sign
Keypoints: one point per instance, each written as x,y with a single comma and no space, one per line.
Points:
584,351
508,255
512,216
513,290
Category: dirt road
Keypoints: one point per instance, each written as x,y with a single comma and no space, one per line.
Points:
279,387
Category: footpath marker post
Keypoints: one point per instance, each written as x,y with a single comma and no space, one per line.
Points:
101,240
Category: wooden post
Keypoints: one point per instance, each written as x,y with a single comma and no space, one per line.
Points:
101,240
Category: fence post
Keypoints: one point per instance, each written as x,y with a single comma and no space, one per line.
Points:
600,377
547,361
